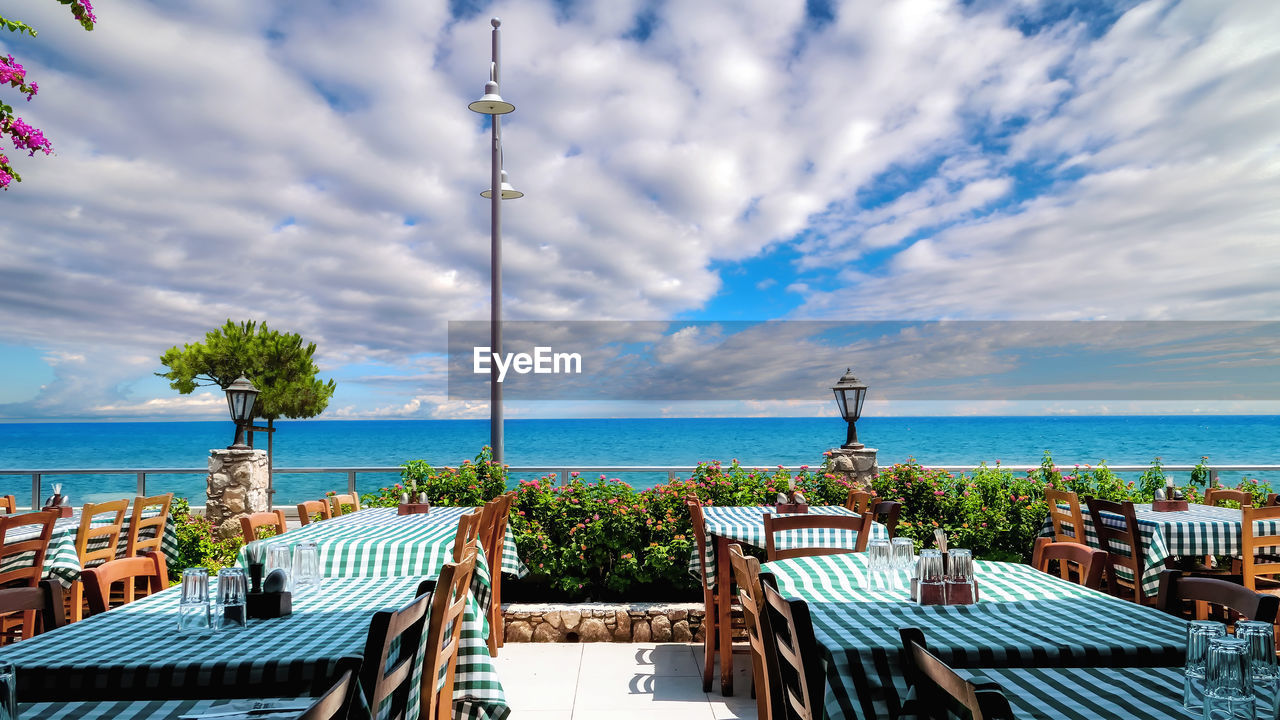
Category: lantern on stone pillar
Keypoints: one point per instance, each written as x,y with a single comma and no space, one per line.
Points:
850,394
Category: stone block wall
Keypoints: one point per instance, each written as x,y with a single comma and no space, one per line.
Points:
237,486
858,467
603,622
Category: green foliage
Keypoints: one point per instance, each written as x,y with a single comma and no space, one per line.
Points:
1200,473
17,26
1153,478
279,364
470,484
198,546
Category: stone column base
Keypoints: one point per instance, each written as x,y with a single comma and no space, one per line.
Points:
857,467
604,622
237,486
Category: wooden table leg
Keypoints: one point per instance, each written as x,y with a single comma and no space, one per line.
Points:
723,585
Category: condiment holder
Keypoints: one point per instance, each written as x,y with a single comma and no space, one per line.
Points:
267,598
791,501
1169,499
944,592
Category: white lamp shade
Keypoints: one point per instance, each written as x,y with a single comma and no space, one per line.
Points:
506,192
491,103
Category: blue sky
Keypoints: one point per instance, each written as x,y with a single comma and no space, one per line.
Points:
762,160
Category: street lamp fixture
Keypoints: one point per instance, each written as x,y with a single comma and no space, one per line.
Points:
495,107
850,393
241,396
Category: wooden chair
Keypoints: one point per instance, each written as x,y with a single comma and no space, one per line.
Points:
8,504
862,501
146,532
1076,563
1123,546
1224,591
795,655
1219,495
149,566
310,508
712,604
937,691
443,633
786,523
250,524
386,679
746,573
1259,568
468,535
335,703
26,558
337,501
45,603
493,538
96,543
1068,523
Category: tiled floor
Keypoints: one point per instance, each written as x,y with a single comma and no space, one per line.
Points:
617,681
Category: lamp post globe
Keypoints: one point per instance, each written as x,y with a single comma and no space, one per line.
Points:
850,393
241,396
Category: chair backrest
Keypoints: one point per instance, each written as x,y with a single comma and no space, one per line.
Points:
98,580
46,600
1064,511
386,679
889,510
275,520
795,654
24,558
8,504
787,523
938,690
334,704
1085,563
860,501
150,514
337,501
698,522
746,574
1227,591
97,542
1122,544
440,664
467,536
495,541
313,507
1254,538
1218,495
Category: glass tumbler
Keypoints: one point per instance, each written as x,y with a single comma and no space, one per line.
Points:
1199,633
232,590
193,609
903,560
878,559
1262,659
279,558
960,577
1228,680
932,586
8,691
306,567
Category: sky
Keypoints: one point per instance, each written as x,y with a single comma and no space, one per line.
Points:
807,165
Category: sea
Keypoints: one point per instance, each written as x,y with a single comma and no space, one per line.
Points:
566,443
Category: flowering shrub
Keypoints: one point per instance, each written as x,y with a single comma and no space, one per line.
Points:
198,546
471,483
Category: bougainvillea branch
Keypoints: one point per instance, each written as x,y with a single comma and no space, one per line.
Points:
22,134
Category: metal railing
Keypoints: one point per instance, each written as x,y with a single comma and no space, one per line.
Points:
565,471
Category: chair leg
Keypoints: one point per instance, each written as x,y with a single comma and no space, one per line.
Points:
724,583
710,633
76,611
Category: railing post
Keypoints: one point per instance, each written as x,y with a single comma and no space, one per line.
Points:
35,491
671,475
351,481
1213,478
142,484
564,476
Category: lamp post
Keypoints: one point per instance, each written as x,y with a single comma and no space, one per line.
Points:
850,392
493,105
241,396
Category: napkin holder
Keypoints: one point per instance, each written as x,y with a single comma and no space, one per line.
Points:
267,605
413,508
1170,505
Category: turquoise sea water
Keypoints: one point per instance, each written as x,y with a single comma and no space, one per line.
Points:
1121,440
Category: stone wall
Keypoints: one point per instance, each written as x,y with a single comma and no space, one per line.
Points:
237,486
603,622
858,467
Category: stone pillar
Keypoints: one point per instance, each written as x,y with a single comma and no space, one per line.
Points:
237,487
857,467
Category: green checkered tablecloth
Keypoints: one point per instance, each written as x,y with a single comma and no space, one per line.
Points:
1025,617
745,524
1089,693
1199,531
135,651
145,709
61,561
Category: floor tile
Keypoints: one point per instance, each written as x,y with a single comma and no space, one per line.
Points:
602,661
656,692
539,677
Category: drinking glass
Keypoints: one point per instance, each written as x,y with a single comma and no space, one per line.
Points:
8,695
279,558
232,590
1228,680
1199,633
903,560
306,566
878,558
960,577
193,610
1262,658
933,589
